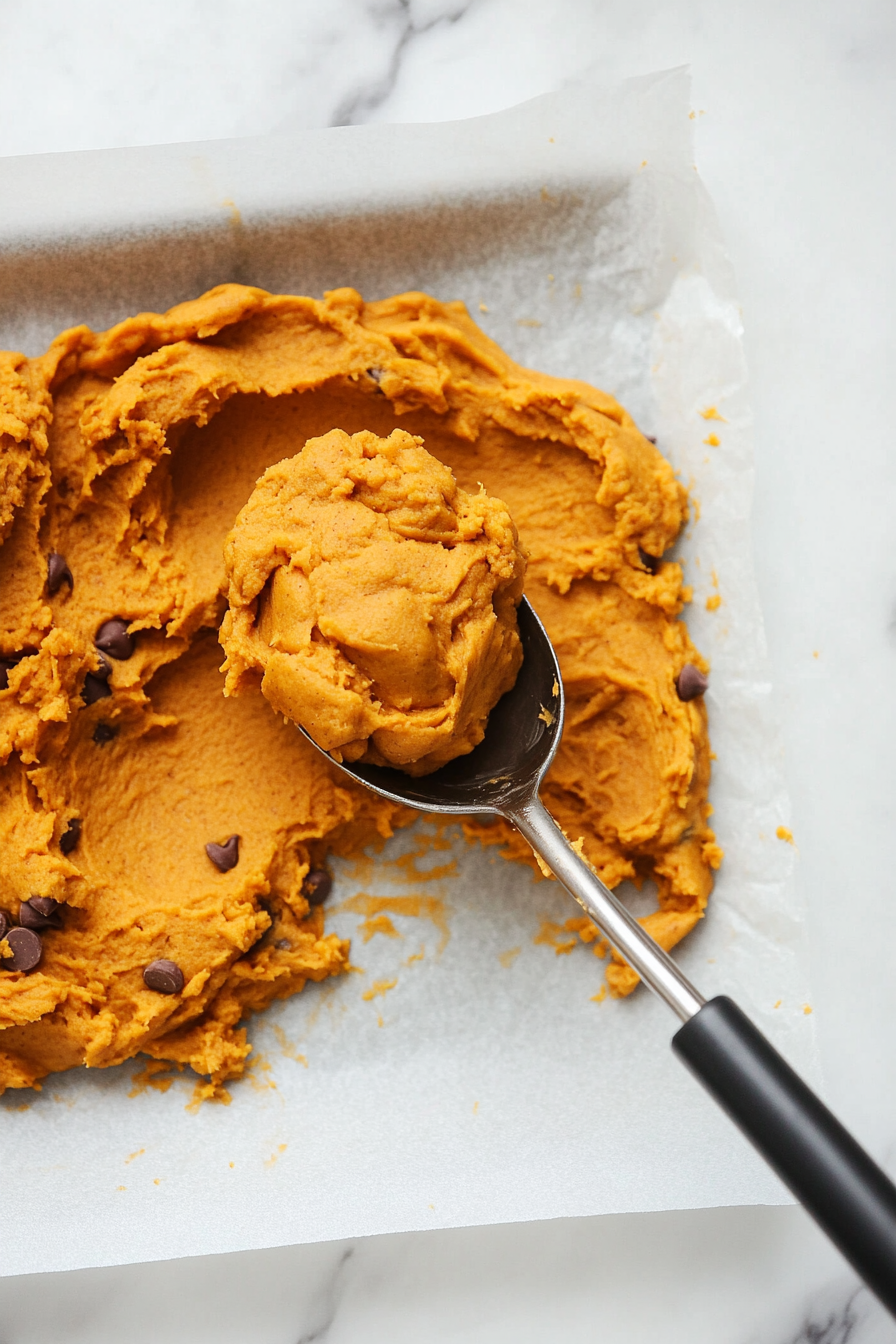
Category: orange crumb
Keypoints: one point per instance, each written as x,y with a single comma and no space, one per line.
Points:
777,1005
550,934
483,308
378,924
210,1091
712,414
814,653
509,957
432,908
232,1164
155,1073
157,1180
713,440
258,1065
600,995
713,602
807,1008
139,1153
475,1107
281,1148
289,1048
379,987
783,833
122,1187
528,322
583,926
415,956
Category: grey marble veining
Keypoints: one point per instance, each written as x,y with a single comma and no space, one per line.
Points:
795,146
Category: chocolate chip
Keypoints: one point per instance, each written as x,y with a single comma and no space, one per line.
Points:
691,682
40,912
283,945
62,487
70,836
104,732
26,948
317,886
651,562
650,439
58,573
225,856
113,638
44,905
4,923
375,374
165,977
96,685
94,688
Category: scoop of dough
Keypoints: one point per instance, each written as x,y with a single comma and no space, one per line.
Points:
376,599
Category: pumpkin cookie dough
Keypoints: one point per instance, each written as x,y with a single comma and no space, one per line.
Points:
149,822
374,600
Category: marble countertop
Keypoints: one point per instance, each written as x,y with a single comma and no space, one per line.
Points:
794,107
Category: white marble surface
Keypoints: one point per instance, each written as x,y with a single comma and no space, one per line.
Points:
795,108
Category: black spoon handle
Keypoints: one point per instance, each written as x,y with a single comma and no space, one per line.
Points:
845,1192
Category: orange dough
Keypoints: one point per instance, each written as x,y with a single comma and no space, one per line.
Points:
131,453
375,599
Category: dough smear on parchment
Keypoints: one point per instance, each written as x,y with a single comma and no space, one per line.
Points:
374,600
146,820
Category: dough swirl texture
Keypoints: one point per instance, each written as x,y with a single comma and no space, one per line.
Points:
129,453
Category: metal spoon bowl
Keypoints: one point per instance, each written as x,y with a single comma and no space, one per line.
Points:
522,738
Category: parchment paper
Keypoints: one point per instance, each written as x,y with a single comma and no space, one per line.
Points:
489,1082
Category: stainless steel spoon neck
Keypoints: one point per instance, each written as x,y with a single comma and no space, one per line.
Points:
655,967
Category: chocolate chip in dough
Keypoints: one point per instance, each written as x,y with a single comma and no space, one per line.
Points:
375,374
4,923
283,945
650,439
40,912
96,684
651,562
69,838
691,682
225,856
113,638
94,688
58,573
165,977
26,948
104,732
317,886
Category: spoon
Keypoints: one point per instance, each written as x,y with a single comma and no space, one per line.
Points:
849,1196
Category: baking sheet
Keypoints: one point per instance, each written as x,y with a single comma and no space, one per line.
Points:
466,1072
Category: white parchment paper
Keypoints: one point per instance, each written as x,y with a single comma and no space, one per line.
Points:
467,1073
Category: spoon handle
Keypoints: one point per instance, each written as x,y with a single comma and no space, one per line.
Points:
847,1194
831,1175
655,967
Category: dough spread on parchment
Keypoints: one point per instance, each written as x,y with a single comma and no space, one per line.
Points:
163,844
